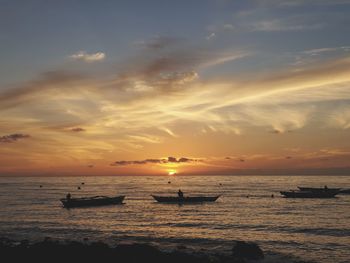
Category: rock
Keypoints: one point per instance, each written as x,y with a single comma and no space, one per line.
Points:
99,245
247,250
24,243
181,247
138,252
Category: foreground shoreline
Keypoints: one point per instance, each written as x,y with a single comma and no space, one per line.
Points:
242,252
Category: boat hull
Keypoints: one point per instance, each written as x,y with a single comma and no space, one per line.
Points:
345,192
189,199
317,189
308,194
92,201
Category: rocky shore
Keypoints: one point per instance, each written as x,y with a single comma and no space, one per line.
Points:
242,252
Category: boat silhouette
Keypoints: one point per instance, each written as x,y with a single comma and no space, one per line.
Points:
92,201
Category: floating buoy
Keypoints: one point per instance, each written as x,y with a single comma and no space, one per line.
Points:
169,182
78,187
41,186
82,183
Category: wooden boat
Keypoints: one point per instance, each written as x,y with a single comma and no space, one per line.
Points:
92,201
186,199
309,194
312,189
345,191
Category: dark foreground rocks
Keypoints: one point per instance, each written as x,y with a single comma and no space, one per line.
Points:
247,250
54,251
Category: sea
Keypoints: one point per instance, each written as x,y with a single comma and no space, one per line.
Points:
250,209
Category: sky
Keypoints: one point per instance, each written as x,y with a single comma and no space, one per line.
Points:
174,87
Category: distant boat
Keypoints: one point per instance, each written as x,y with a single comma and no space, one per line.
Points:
187,199
309,194
312,189
345,191
92,201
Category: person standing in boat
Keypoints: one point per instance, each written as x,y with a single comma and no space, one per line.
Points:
68,197
180,194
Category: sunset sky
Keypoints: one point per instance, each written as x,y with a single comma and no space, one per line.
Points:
185,87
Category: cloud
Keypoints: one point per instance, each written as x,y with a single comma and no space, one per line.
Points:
295,3
77,129
157,93
145,138
317,51
168,131
84,56
339,117
156,161
48,82
210,36
148,74
228,27
276,16
283,25
13,137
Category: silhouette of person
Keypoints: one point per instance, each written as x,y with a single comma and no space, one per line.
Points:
68,196
325,187
180,194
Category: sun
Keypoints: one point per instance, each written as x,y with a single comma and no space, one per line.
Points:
172,172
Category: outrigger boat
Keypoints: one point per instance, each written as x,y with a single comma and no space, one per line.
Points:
186,199
309,194
345,191
92,201
313,189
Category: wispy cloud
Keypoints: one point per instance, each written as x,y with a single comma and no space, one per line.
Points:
13,137
290,24
294,3
92,57
317,51
210,36
160,99
340,117
47,83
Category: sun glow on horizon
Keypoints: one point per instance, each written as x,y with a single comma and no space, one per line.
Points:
172,172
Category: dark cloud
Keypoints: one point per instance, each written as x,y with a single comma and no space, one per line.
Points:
155,161
77,129
13,137
172,160
232,158
184,160
276,131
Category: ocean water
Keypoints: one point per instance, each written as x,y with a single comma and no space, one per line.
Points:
313,229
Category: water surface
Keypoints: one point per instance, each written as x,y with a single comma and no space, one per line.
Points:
317,229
